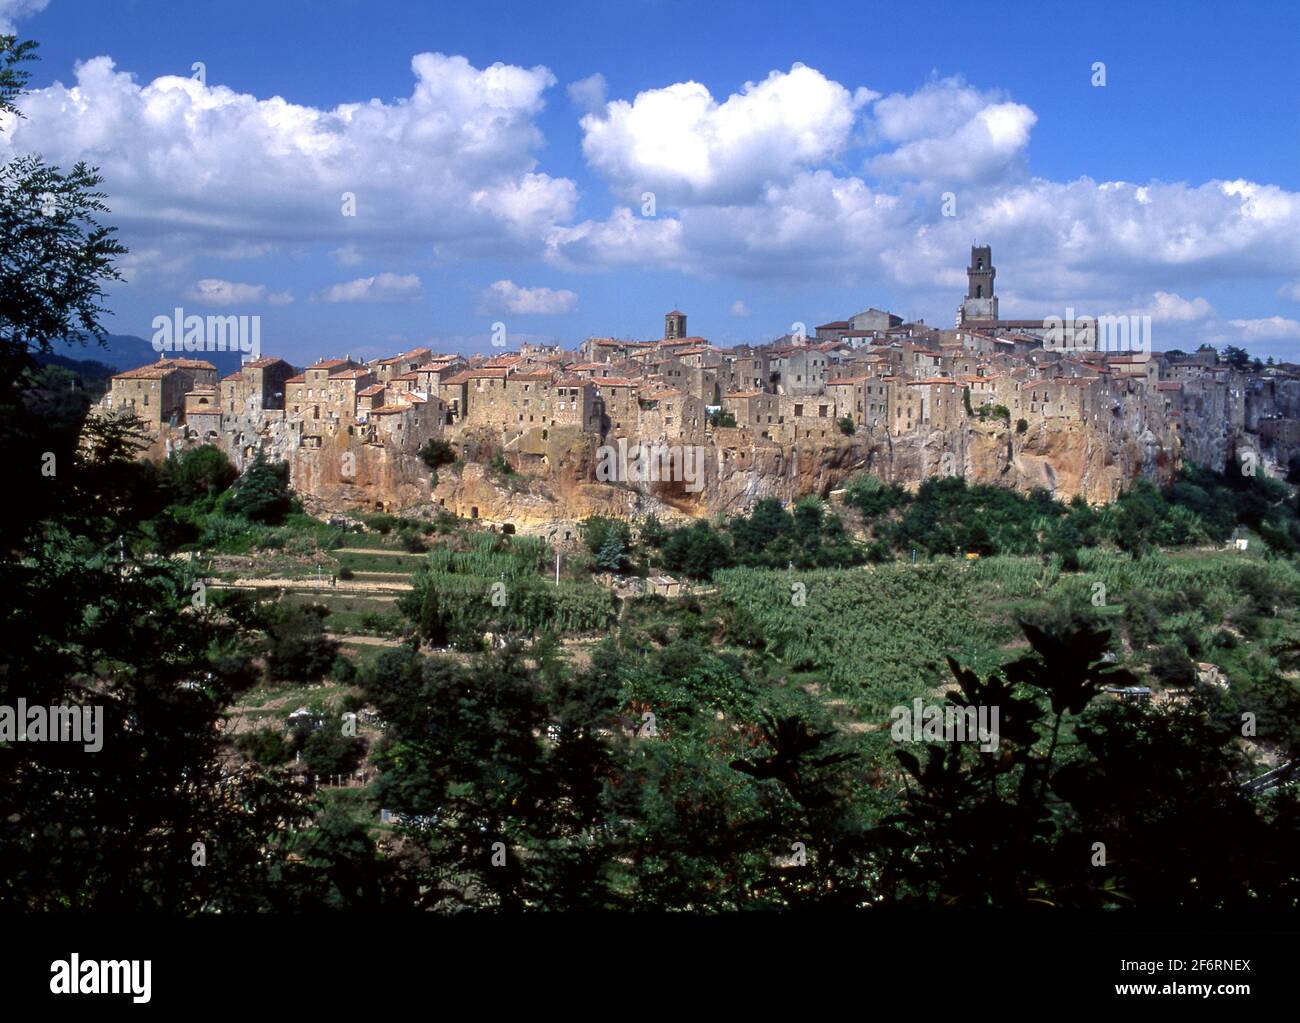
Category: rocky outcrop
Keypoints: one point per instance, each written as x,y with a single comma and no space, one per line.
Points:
552,483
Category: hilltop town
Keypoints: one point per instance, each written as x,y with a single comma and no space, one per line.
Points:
1021,403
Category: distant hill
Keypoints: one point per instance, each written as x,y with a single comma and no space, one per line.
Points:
94,375
126,351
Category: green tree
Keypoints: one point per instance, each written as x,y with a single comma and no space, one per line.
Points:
297,644
198,474
262,493
612,556
1236,358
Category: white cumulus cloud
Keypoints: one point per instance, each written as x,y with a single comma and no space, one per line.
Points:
1270,328
12,10
212,291
949,132
508,297
588,94
685,146
384,287
453,164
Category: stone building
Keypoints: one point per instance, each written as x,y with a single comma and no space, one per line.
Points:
307,395
156,392
806,418
618,398
259,384
759,411
385,369
669,414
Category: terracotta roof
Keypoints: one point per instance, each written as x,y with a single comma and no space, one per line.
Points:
743,394
234,378
933,380
600,382
262,363
351,374
187,363
154,371
463,377
404,357
370,391
533,374
493,372
389,410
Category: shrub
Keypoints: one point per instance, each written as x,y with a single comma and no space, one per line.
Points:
437,452
262,493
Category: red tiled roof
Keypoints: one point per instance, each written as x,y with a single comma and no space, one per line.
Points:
154,371
187,363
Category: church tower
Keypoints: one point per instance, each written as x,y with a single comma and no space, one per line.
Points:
980,303
674,325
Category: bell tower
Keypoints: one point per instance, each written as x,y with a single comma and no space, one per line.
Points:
981,303
674,325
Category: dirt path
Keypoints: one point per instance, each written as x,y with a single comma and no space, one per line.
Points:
309,585
365,640
378,550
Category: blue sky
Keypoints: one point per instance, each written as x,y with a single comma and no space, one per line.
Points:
801,177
